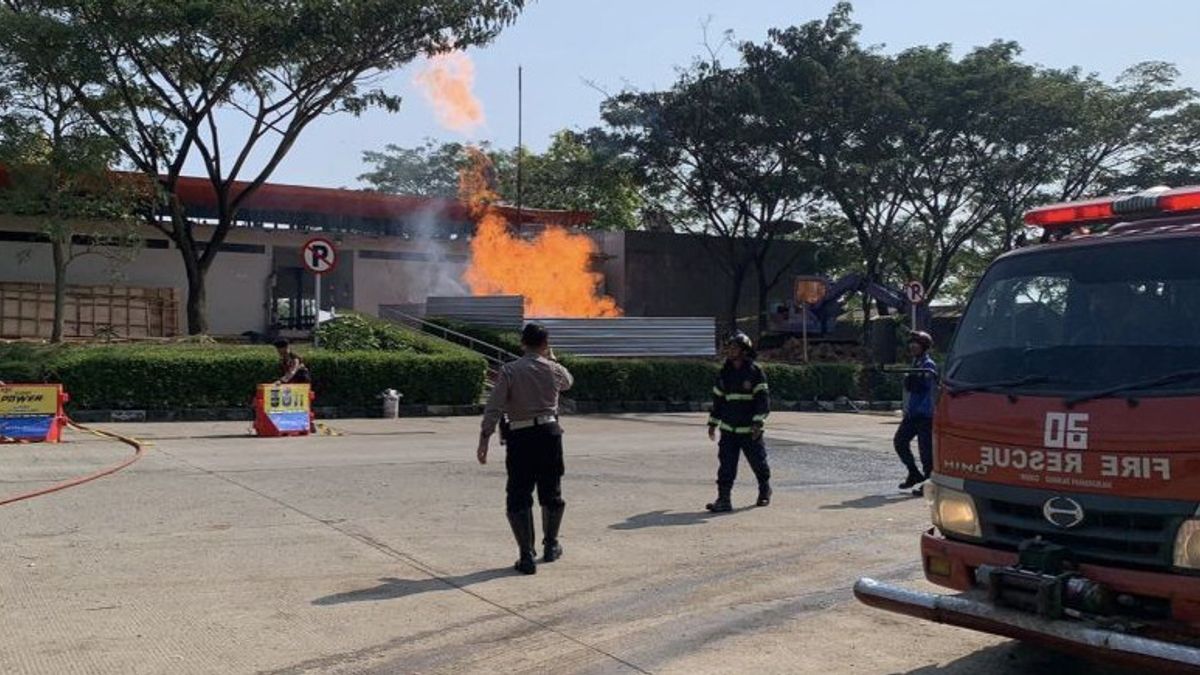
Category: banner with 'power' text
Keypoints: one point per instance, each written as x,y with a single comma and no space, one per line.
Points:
28,411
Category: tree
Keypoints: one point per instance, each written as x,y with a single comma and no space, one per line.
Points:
59,173
839,119
704,148
982,135
425,171
156,77
579,171
1127,134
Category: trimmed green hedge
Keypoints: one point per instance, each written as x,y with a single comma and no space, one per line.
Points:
177,377
678,380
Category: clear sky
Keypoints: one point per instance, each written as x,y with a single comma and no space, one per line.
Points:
564,44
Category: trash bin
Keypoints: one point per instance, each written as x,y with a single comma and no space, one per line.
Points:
391,403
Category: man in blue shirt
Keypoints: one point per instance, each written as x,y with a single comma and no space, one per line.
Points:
921,384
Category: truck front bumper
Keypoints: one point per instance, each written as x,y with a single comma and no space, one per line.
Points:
952,564
970,610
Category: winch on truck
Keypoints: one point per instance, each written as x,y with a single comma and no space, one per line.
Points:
1066,495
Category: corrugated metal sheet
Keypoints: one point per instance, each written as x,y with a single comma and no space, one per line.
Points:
633,336
416,309
506,312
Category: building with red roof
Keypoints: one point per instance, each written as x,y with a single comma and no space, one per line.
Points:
391,250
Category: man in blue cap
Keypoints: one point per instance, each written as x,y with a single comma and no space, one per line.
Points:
918,411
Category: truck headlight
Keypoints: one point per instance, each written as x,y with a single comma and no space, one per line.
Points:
1187,545
954,511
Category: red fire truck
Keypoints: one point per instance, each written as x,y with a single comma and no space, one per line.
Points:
1067,440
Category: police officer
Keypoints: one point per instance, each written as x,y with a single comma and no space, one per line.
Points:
527,390
741,404
918,411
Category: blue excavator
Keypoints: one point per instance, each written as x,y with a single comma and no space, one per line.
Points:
818,302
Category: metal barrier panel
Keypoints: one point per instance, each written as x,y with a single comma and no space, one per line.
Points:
633,336
506,312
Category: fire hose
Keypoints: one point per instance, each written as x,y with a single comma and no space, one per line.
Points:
138,446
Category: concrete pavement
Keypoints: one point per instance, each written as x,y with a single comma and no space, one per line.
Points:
385,550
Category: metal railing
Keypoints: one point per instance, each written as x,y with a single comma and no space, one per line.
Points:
495,355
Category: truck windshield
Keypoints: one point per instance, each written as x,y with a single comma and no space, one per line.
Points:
1085,318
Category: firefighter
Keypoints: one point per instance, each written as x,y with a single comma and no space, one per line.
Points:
291,366
741,404
527,392
918,411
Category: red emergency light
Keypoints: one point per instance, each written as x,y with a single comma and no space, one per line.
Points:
1076,213
1069,216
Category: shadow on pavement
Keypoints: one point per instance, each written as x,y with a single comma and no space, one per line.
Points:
391,588
1018,658
669,519
870,502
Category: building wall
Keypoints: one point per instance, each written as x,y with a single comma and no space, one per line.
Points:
372,270
669,274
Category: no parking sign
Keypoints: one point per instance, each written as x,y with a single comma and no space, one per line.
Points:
320,255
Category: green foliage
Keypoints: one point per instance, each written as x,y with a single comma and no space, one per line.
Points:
182,377
880,386
582,172
680,380
919,163
27,362
509,341
356,378
358,332
158,78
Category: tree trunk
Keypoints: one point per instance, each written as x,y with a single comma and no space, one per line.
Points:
764,289
60,253
872,274
737,280
197,309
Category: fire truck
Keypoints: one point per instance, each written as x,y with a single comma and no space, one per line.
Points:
1066,495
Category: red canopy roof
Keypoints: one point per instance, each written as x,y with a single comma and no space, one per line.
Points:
196,191
199,192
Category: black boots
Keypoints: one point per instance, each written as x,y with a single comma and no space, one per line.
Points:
764,494
522,529
722,503
913,480
551,520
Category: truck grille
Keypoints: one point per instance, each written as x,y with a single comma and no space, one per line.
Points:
1131,532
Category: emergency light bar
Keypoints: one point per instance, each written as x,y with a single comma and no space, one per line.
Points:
1152,202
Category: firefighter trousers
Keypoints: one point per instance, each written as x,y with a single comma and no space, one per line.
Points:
729,452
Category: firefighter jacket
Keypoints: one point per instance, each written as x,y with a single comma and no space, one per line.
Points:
741,401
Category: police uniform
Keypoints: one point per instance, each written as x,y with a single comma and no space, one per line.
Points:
526,391
741,403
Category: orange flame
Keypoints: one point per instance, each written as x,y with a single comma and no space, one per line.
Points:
551,270
446,82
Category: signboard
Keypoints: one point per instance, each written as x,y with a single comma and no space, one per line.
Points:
915,292
30,412
320,255
809,290
282,409
28,399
